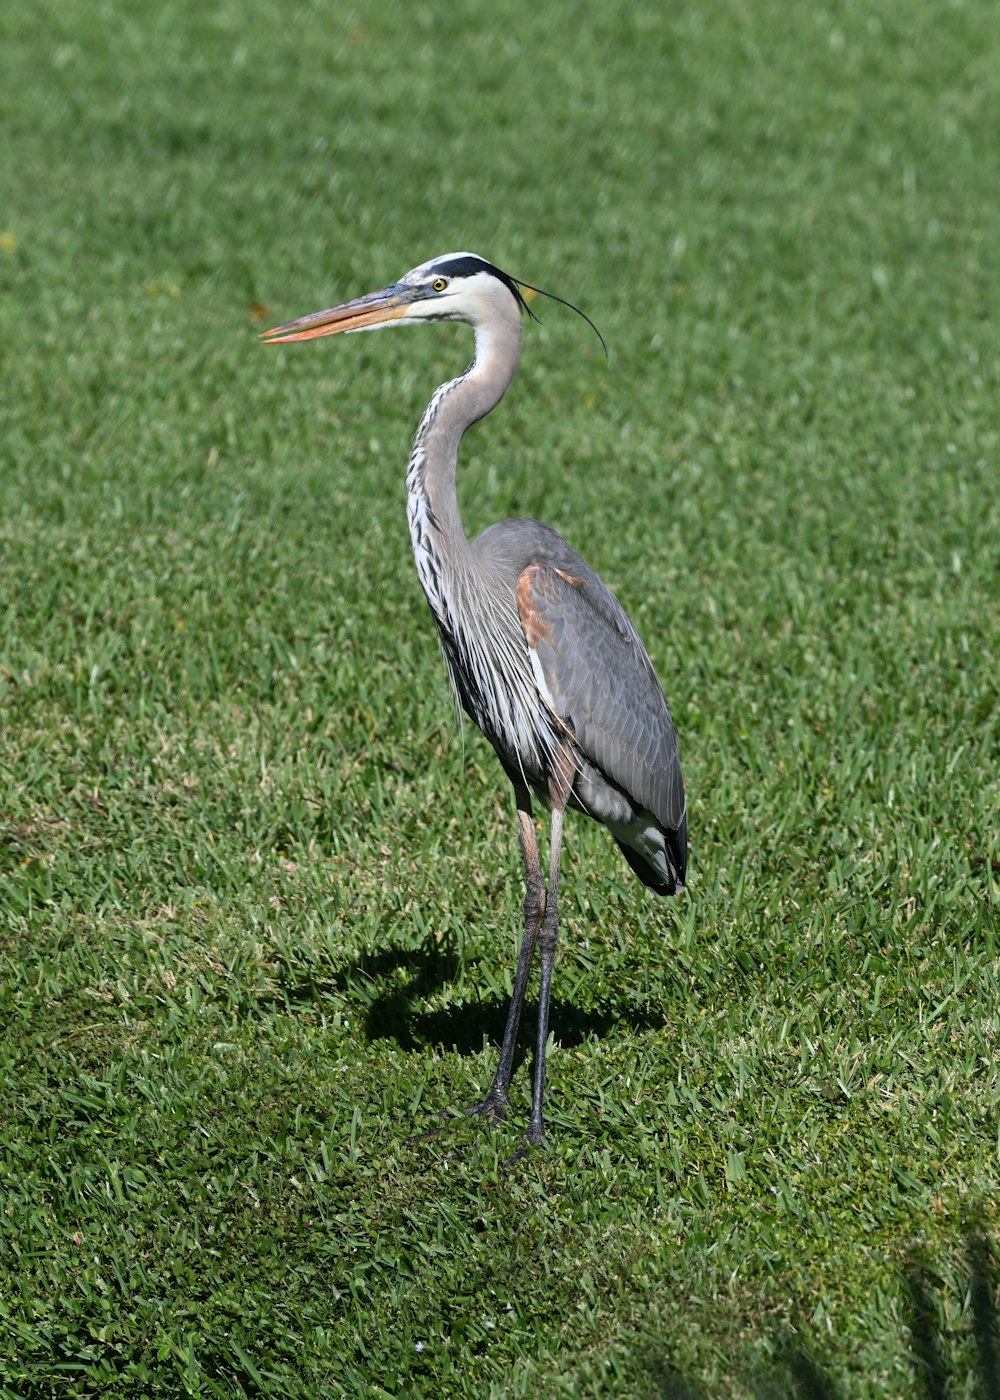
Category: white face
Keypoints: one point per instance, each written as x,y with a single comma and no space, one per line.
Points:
452,290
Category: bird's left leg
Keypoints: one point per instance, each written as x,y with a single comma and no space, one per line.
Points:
560,784
495,1101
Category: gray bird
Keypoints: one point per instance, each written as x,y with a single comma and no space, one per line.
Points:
541,654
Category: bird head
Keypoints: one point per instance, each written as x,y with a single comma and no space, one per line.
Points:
455,287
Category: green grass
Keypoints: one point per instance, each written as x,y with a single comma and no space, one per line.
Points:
260,896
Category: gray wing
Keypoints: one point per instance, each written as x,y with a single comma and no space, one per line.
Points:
596,677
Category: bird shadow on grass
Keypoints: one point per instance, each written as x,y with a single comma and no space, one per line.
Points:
394,983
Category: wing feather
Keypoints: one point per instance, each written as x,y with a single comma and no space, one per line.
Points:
595,676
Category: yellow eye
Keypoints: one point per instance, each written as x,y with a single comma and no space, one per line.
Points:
439,284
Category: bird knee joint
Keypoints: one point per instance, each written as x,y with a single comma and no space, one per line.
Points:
534,902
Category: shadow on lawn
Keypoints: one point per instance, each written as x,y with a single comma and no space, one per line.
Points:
798,1376
393,1005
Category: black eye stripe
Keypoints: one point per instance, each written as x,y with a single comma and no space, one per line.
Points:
464,267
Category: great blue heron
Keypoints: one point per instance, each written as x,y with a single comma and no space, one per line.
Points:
541,654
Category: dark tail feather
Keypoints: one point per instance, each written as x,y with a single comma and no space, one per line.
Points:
648,875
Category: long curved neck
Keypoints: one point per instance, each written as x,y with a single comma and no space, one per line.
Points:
440,546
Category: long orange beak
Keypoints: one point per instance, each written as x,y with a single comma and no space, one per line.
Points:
359,315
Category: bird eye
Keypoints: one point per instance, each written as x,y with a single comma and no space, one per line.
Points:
439,283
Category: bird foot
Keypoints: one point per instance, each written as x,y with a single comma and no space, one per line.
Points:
493,1107
450,1119
534,1137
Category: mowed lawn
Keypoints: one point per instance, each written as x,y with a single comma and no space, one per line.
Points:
260,890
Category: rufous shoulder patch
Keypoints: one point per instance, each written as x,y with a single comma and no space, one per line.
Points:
535,626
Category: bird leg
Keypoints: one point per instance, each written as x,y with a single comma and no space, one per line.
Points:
560,784
495,1101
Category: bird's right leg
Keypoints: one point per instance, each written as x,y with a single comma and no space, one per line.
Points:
495,1101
